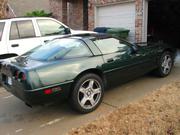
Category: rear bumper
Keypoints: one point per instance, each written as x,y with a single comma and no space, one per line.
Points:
37,96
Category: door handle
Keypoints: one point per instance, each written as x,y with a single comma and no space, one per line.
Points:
14,45
110,60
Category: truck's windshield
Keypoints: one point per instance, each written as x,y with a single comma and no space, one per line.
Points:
1,29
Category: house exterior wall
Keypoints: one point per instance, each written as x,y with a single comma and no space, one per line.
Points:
75,13
59,9
139,14
22,7
75,16
139,21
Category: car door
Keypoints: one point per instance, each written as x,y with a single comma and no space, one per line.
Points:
22,37
50,29
145,60
121,63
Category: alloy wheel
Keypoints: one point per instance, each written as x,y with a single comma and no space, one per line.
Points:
89,93
166,64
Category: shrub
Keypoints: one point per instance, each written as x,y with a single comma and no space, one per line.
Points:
38,13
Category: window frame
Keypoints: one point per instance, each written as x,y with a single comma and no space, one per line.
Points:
52,21
2,30
19,37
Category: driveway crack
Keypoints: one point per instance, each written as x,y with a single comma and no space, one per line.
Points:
114,106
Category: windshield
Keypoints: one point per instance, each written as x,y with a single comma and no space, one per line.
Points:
58,49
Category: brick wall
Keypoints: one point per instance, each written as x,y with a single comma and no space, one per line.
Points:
76,14
59,9
69,12
139,21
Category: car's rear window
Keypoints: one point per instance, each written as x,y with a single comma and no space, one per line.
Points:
60,49
1,29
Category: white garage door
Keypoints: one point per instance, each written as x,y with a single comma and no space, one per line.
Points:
119,15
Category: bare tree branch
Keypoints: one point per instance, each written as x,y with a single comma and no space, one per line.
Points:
3,6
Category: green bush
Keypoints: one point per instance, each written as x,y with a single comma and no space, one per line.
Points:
38,13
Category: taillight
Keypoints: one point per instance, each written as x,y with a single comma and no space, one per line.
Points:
19,76
22,76
16,74
52,90
48,91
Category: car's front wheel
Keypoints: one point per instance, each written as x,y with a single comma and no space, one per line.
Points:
165,64
87,93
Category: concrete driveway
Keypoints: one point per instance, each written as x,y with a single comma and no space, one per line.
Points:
56,119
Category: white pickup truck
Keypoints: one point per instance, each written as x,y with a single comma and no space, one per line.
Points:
18,35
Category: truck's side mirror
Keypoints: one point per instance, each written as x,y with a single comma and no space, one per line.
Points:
67,31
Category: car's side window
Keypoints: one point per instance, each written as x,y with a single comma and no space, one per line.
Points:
14,31
26,29
110,45
50,27
22,29
1,29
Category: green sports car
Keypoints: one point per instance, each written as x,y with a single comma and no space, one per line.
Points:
80,67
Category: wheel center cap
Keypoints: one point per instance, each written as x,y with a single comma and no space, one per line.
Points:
89,92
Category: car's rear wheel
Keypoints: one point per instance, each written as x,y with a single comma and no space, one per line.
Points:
165,64
87,93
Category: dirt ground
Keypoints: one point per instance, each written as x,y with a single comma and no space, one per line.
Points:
157,114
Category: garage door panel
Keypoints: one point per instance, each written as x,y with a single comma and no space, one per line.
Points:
117,14
126,7
120,15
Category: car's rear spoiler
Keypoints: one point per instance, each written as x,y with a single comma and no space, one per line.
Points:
141,43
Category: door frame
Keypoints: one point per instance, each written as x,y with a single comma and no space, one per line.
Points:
145,21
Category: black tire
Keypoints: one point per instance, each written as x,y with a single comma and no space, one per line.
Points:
160,71
76,93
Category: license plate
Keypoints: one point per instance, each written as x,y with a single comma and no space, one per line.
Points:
9,81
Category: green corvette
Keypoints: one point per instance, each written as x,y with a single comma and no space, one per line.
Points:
80,67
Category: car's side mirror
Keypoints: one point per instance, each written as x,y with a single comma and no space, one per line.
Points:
135,48
67,31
